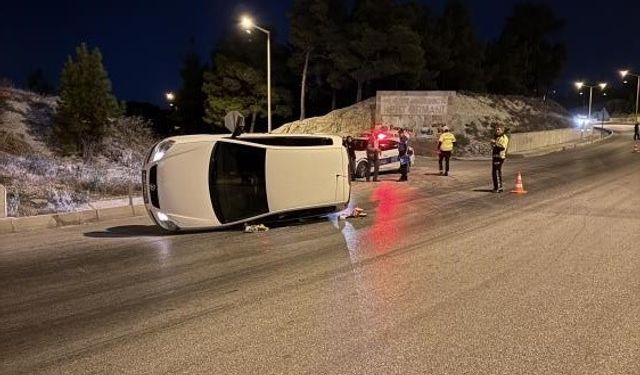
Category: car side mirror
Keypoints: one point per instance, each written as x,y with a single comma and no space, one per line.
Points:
234,121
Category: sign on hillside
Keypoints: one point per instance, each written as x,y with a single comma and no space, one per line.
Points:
422,112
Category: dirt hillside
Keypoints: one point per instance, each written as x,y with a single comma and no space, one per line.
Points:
472,118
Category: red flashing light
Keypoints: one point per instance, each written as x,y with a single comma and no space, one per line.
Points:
381,136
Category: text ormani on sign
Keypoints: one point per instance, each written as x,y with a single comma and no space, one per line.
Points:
413,105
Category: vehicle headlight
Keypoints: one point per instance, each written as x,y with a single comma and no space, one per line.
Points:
165,222
162,216
161,149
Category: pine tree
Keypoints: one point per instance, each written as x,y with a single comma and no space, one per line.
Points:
535,58
312,23
380,43
235,86
461,53
85,104
190,98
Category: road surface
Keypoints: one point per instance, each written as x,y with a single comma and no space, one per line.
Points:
442,277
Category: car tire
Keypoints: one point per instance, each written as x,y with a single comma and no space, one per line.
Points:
361,169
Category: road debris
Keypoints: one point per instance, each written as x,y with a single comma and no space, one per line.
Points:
356,212
255,228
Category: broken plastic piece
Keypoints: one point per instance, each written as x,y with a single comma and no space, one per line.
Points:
255,228
356,212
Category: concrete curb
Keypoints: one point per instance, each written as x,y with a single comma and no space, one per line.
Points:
30,223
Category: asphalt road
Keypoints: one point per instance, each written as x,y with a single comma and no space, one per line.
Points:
441,278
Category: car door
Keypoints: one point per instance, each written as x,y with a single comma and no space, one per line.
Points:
389,158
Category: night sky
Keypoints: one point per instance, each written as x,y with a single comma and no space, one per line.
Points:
143,41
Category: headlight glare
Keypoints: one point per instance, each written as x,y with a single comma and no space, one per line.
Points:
161,149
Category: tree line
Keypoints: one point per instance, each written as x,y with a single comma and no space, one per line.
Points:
339,54
335,55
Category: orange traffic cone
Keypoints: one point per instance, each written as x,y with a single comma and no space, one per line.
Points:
519,186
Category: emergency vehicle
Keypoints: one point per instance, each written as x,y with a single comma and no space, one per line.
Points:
389,159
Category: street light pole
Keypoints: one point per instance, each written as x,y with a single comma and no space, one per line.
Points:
637,95
580,85
248,24
625,73
590,102
269,84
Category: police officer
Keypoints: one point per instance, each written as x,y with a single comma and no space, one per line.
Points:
499,154
403,155
445,146
351,153
373,157
636,132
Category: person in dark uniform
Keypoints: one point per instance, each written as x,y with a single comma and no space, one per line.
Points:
403,155
636,132
351,153
373,157
498,155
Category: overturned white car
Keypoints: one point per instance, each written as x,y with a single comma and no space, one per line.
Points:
209,181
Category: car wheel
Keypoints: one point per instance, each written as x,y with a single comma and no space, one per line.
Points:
361,170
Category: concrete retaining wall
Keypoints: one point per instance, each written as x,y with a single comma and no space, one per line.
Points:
29,223
623,120
520,142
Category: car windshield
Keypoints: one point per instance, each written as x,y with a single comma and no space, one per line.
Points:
237,181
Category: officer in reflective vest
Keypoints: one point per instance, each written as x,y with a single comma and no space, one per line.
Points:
499,154
445,147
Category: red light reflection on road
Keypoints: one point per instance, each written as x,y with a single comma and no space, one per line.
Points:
389,218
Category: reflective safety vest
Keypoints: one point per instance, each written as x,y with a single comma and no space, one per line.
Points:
446,141
500,148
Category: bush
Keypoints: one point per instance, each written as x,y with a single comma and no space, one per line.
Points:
14,143
13,203
128,140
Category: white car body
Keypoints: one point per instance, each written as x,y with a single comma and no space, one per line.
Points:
389,157
210,181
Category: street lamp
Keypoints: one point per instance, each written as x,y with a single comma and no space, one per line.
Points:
580,85
247,24
625,73
171,97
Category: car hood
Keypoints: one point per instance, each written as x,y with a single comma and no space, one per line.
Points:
183,184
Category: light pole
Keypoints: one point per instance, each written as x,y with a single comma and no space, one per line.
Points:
248,24
580,85
625,73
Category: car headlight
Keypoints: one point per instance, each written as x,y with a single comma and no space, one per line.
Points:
165,222
161,149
